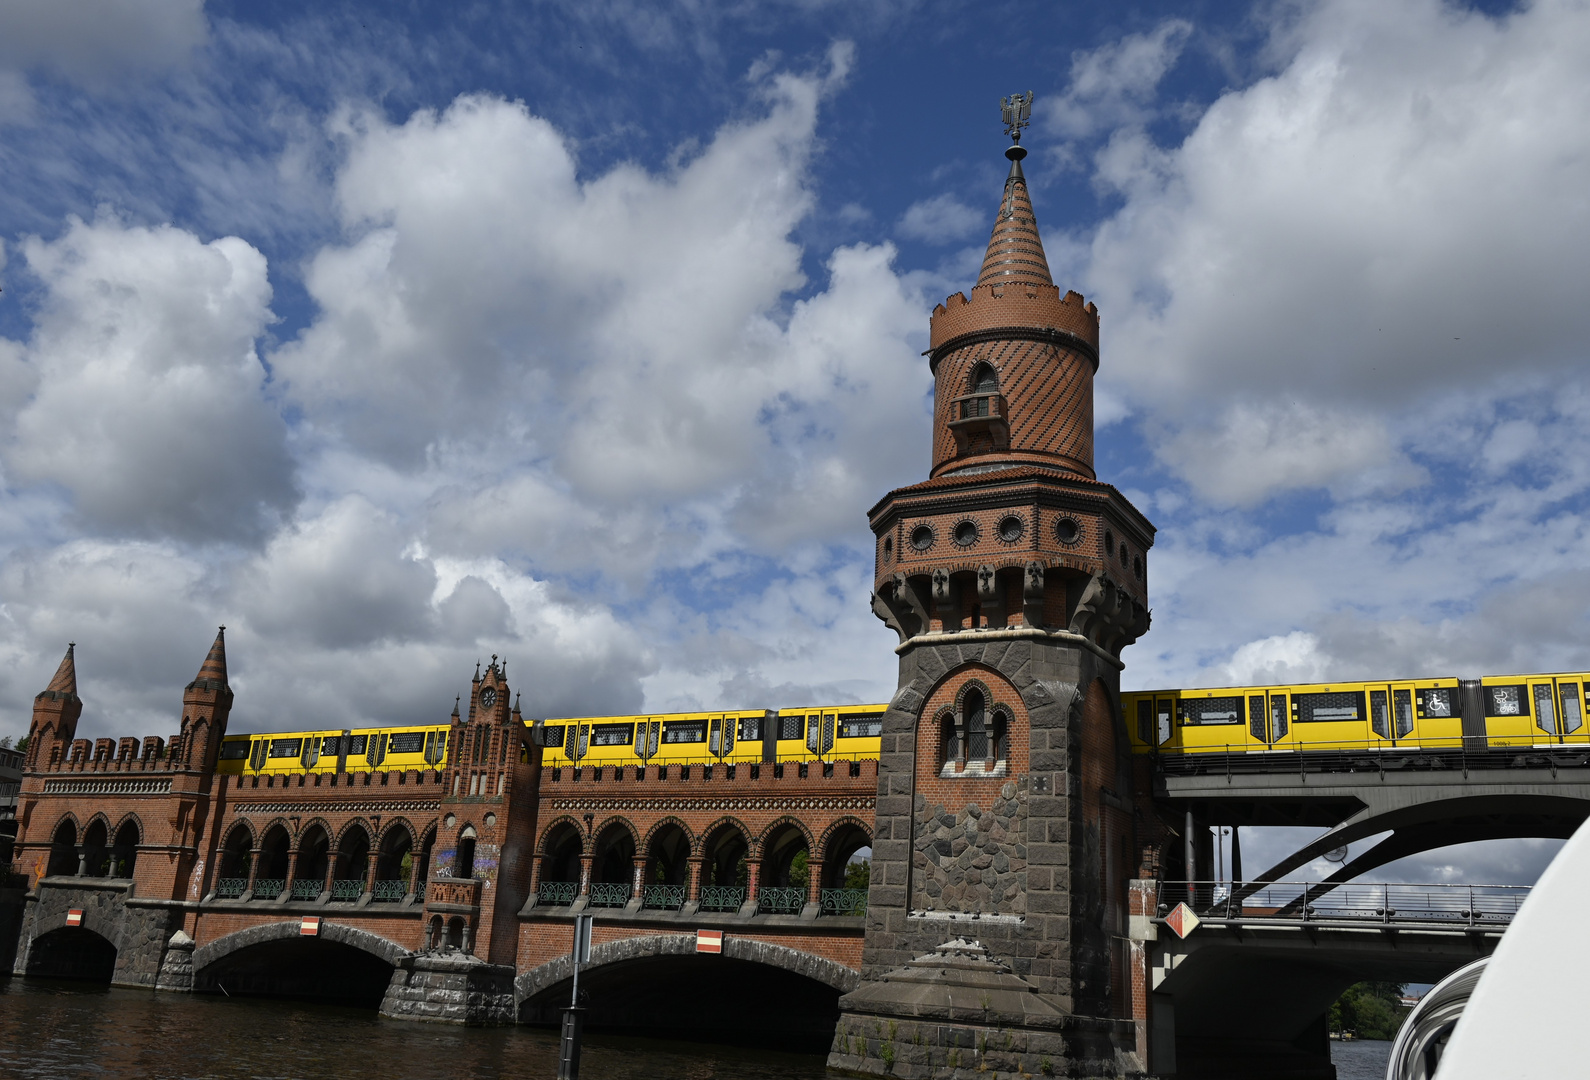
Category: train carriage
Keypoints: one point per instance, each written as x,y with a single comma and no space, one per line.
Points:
330,751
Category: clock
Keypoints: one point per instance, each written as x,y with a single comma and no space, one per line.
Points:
488,697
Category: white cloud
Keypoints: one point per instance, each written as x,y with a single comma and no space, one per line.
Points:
942,219
1115,85
140,391
1396,212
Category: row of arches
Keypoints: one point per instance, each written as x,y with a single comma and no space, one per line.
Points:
304,865
571,860
100,853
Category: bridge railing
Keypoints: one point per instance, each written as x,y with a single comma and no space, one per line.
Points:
1314,901
1336,757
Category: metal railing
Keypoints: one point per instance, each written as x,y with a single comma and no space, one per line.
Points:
230,888
268,888
1314,901
347,889
722,897
662,897
386,892
780,900
307,888
609,894
844,901
1238,759
557,892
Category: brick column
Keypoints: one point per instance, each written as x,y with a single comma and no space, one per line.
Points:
253,868
372,864
753,879
814,881
292,871
640,877
416,866
587,864
693,890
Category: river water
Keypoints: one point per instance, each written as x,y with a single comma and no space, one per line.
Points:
54,1030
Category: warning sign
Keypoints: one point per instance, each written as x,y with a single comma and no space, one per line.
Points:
1182,920
74,917
309,926
710,941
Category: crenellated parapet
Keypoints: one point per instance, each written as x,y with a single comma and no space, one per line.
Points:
1015,308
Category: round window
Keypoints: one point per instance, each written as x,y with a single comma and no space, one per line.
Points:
1067,530
1011,528
922,537
966,533
1109,542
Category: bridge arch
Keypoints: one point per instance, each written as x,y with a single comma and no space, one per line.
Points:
72,952
657,984
342,964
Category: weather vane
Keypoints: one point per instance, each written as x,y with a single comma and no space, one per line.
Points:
1017,110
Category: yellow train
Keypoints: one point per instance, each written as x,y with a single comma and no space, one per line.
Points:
330,751
812,733
1495,711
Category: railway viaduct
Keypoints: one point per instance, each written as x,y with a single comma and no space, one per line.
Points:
1023,862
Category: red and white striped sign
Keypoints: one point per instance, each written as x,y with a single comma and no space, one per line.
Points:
1182,920
709,941
74,917
309,926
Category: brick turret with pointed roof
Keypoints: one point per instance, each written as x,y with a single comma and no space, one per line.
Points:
206,705
56,710
1014,578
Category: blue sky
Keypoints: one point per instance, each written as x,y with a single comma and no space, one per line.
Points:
396,336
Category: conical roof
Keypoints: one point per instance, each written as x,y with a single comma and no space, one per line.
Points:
214,669
65,681
1015,251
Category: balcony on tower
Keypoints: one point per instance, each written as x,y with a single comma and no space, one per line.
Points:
980,420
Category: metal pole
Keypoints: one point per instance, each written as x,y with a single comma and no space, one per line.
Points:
574,1016
1192,860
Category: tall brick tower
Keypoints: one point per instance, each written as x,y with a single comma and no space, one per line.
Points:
1004,834
56,709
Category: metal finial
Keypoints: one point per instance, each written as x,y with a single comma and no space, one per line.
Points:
1017,112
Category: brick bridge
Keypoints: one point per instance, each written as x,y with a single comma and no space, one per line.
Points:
152,868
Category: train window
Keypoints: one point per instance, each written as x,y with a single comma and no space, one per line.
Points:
1278,716
1256,715
1333,706
789,727
407,742
1166,727
1436,701
1214,710
684,731
613,734
814,732
1379,714
551,736
1506,701
1545,712
1403,702
750,728
234,750
1145,722
861,727
1571,717
285,748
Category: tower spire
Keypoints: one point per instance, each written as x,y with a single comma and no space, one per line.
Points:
65,681
1015,251
213,670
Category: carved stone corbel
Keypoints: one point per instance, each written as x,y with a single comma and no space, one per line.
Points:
944,603
1032,594
988,597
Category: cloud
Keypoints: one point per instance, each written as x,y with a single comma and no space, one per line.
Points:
143,391
943,219
93,42
1392,215
1116,84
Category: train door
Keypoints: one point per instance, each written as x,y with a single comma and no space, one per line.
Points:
1164,720
1543,699
1509,711
1571,709
1390,715
1280,723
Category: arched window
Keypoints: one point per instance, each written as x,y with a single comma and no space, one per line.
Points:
63,850
976,727
984,381
464,861
949,741
1001,737
95,842
124,852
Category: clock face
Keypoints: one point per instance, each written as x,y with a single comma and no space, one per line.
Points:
488,698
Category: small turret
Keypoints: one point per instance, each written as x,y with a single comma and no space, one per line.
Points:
55,713
206,704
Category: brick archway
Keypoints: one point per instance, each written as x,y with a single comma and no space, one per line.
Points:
816,968
374,944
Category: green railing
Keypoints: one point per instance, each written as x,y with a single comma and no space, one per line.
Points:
662,897
722,897
610,894
307,888
386,892
780,900
347,889
268,888
230,888
844,901
557,892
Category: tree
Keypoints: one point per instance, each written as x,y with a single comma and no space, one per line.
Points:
858,874
1369,1010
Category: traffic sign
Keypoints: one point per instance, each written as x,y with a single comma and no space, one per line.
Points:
1182,920
309,926
709,941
